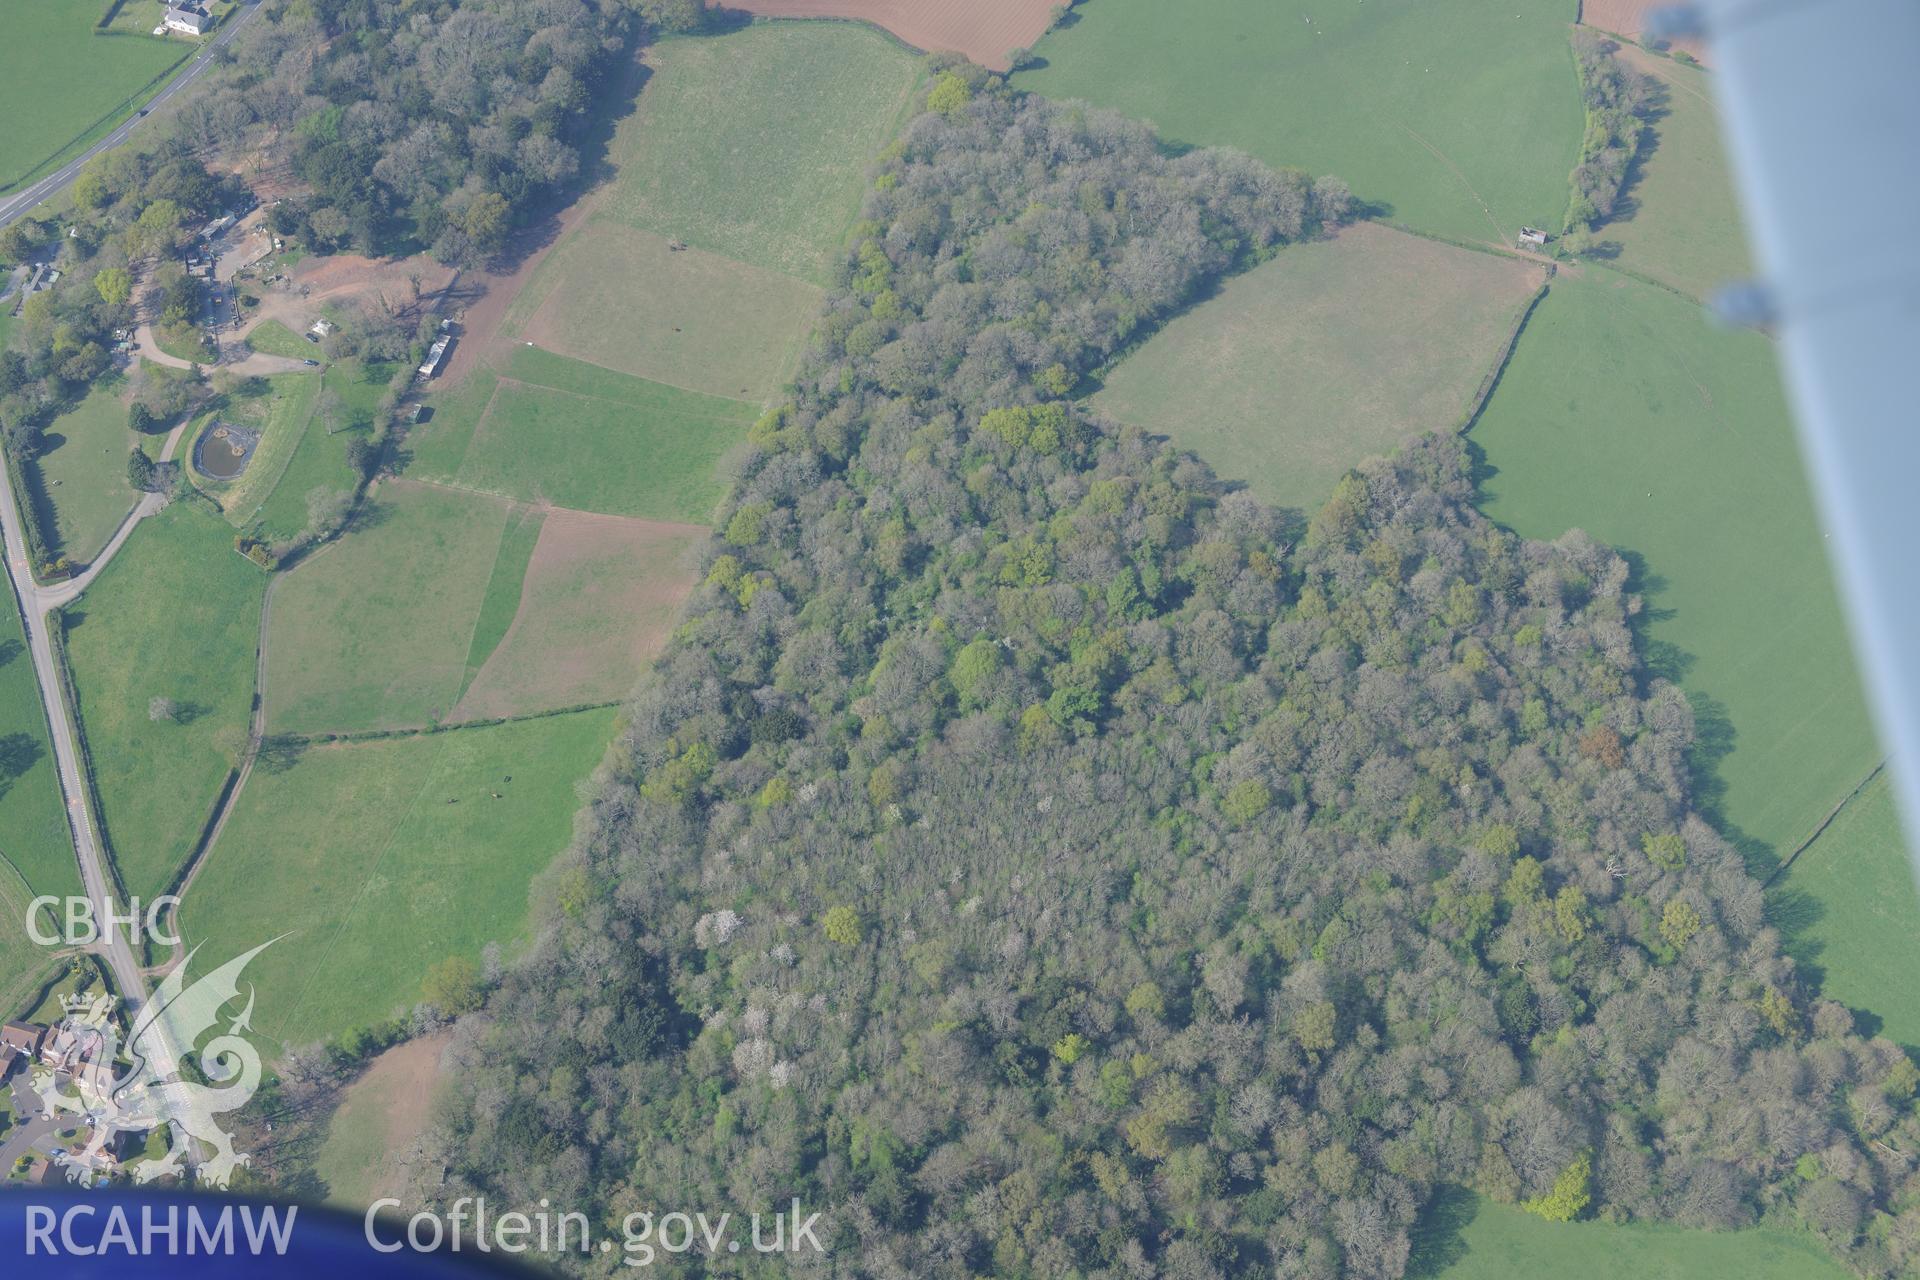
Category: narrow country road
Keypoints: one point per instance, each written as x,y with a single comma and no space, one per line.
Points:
37,606
20,204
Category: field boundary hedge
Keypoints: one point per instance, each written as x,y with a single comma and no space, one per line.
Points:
57,638
1485,392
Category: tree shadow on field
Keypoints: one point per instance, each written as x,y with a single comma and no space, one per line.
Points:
1659,106
279,752
19,752
593,143
369,514
1437,1237
722,21
9,650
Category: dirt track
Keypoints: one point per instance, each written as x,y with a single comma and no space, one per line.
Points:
984,30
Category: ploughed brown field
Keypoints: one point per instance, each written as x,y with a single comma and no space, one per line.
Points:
984,30
1629,18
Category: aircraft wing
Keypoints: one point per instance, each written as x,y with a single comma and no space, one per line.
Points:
1821,105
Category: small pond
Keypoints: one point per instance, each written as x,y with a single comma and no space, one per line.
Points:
224,449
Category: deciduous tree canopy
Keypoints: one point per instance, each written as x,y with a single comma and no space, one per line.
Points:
1140,883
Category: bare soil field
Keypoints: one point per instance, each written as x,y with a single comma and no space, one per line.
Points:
627,299
349,275
382,1114
597,604
487,296
984,30
1629,18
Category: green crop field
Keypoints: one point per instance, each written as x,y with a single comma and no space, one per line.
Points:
281,412
33,828
386,857
1625,414
756,144
60,84
1326,354
1850,912
81,473
625,299
1462,119
175,616
561,431
373,632
275,339
1468,1238
1682,225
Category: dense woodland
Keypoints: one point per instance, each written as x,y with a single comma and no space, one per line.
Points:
1046,860
423,124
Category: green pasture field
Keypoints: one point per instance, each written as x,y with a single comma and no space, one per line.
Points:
319,460
275,339
34,840
756,144
625,299
81,473
1851,914
1334,350
176,615
434,448
1461,119
25,965
373,632
1481,1240
390,855
282,412
1623,412
1681,225
560,431
60,84
599,598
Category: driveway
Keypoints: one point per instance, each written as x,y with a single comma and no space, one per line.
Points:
29,1131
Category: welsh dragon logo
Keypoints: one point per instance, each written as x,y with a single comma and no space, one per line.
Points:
152,1091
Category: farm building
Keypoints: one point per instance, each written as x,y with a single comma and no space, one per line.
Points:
1532,238
189,21
435,354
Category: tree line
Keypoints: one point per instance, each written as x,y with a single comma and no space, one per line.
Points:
1619,103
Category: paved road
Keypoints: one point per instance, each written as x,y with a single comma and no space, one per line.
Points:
38,605
18,205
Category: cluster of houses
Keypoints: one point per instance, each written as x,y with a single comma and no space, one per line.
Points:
79,1052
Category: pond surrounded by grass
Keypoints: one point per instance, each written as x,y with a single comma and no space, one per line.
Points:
224,449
